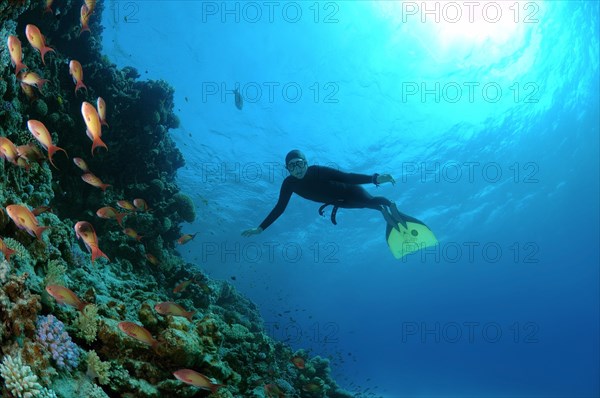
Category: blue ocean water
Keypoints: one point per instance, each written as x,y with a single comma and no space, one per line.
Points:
486,116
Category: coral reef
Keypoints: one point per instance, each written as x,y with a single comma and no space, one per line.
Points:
18,308
96,369
184,206
52,336
87,323
41,339
20,380
4,270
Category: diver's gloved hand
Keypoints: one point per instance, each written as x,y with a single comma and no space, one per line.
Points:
381,178
252,231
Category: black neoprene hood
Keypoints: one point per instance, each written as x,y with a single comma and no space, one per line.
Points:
294,154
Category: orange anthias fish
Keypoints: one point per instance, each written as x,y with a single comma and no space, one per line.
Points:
86,233
312,388
76,71
31,152
84,19
186,238
125,204
49,7
91,5
101,105
92,122
66,296
81,164
196,379
139,333
110,213
152,258
273,390
95,181
141,205
28,90
6,250
25,220
182,286
8,150
37,40
16,53
40,210
171,308
22,162
41,133
32,79
132,233
298,362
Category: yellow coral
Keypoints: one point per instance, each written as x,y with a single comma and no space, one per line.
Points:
96,368
55,274
87,323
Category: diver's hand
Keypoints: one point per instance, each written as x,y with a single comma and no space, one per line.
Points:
382,178
252,231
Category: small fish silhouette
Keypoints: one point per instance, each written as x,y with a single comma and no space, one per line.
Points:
239,100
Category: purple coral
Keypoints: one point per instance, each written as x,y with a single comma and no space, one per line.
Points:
53,337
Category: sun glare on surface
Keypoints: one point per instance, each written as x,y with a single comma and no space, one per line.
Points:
461,27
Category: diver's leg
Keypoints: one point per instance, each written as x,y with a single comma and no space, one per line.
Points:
385,206
398,216
394,210
359,198
389,219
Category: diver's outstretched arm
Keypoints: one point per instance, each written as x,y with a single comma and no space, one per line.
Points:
252,231
285,194
354,178
383,178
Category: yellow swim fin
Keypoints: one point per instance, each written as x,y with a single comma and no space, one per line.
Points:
412,235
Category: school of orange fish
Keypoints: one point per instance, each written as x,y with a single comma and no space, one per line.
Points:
23,155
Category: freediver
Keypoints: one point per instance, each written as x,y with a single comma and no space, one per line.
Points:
331,187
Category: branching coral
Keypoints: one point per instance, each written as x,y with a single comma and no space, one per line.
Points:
53,337
87,323
20,380
17,246
96,368
55,274
4,271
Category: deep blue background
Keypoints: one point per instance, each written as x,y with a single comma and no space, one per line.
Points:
337,289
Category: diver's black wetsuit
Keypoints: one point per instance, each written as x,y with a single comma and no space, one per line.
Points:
327,185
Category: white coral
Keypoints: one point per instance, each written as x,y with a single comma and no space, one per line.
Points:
20,380
4,271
